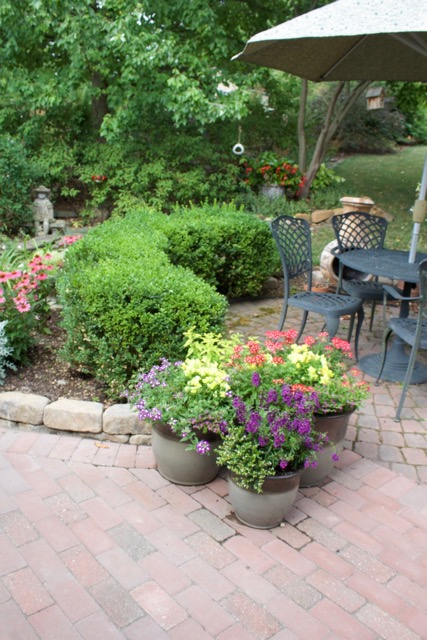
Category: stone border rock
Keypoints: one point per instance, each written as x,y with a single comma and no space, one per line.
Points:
118,423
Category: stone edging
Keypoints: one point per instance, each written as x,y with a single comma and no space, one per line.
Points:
118,423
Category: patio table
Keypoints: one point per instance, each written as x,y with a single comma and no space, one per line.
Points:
389,263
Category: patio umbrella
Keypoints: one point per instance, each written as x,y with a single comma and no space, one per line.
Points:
352,40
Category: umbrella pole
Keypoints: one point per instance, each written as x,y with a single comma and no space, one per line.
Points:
419,213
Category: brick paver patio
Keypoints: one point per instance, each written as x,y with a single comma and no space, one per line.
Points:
95,544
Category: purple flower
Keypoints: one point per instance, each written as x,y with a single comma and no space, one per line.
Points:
263,441
283,463
203,447
272,397
240,408
256,379
254,422
335,457
303,426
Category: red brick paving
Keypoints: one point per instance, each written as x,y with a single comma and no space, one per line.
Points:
96,544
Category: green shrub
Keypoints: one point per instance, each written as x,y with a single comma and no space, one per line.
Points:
231,250
17,176
125,306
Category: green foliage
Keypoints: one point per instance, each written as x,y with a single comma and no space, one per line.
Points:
411,100
227,248
371,131
17,176
325,177
126,306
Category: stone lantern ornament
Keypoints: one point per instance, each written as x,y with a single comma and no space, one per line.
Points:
42,211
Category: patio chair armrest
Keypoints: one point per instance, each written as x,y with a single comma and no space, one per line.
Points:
394,293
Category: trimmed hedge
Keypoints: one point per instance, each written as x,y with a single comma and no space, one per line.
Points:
230,249
125,305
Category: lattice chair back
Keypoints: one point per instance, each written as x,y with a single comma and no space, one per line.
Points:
358,230
293,240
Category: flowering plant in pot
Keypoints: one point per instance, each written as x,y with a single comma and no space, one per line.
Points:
269,442
270,170
319,366
191,395
271,433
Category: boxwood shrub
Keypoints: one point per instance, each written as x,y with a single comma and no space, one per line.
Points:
132,286
123,316
230,249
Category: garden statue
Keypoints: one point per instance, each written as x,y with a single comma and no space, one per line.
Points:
42,211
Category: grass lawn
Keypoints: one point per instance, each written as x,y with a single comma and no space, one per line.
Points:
390,181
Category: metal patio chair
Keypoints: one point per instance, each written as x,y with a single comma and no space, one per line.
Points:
293,240
413,331
358,230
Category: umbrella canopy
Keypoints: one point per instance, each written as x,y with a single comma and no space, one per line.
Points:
352,40
348,40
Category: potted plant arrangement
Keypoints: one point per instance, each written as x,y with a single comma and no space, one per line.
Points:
188,404
274,176
322,366
271,439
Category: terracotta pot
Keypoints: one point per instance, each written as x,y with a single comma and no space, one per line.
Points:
266,509
178,465
335,426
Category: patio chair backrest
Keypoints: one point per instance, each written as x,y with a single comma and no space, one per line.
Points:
359,230
293,239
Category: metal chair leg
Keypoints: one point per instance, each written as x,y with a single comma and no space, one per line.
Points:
371,322
302,325
408,376
283,315
360,317
332,326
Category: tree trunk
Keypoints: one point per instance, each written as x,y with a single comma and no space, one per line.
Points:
333,118
99,100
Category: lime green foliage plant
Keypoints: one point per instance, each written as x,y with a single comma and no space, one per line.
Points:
192,395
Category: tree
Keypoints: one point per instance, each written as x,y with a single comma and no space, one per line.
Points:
122,54
337,109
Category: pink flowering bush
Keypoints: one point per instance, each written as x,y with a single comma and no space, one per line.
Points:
66,241
23,304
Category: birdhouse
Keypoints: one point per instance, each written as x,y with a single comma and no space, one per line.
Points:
375,97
